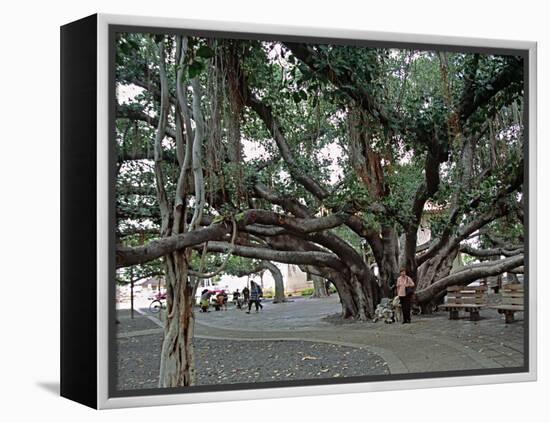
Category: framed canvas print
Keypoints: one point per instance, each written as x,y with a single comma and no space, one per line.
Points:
254,211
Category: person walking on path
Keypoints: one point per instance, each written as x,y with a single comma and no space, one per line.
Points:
246,295
255,293
237,299
405,287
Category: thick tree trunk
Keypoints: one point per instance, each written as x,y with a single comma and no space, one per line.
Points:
429,273
386,253
279,296
319,286
350,308
354,297
177,365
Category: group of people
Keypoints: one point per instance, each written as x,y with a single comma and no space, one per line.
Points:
250,296
219,303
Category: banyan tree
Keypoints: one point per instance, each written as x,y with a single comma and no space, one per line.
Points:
323,156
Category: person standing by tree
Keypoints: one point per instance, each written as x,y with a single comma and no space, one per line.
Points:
255,293
404,290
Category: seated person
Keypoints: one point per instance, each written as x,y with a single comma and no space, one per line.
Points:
205,300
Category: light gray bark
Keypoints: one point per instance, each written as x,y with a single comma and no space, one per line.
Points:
161,130
315,258
279,296
319,286
470,274
197,155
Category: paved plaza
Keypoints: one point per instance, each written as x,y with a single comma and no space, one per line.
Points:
301,339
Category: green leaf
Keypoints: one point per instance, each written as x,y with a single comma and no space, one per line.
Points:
218,219
205,52
195,68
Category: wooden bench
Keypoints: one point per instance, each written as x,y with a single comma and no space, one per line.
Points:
466,298
512,301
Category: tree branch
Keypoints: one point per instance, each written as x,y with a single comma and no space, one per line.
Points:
344,81
127,256
469,274
315,258
266,114
161,130
473,100
491,252
124,111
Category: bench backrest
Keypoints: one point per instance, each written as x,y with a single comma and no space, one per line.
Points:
512,294
467,294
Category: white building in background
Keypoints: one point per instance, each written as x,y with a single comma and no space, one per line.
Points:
294,280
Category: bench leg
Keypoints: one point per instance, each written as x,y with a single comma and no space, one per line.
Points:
453,314
474,315
509,316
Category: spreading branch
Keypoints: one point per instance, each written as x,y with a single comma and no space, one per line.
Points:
314,258
492,252
470,274
345,81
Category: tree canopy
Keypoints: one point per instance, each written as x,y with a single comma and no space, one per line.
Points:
332,157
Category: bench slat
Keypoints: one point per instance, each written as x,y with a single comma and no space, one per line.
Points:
450,305
512,301
466,294
467,289
471,296
513,294
513,286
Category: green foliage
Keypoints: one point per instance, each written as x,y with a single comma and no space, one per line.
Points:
306,292
268,293
313,107
205,52
126,275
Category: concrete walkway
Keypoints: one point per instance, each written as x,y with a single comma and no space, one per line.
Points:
429,344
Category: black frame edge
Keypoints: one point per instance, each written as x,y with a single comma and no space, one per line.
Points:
78,324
